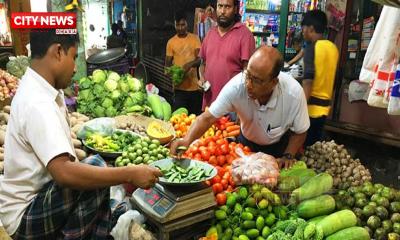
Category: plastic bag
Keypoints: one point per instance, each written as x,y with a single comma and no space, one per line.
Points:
121,229
103,126
394,101
358,91
137,232
258,168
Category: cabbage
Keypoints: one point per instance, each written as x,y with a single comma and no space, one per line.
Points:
99,111
86,95
99,91
84,83
115,94
123,86
99,76
111,112
134,84
107,103
111,85
138,97
18,65
129,102
113,76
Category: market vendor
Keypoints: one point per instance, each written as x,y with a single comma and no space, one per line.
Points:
270,104
46,193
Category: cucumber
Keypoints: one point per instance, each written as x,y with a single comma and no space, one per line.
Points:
166,107
351,233
317,206
155,105
295,178
337,221
180,111
314,187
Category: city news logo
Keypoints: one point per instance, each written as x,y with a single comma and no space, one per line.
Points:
64,23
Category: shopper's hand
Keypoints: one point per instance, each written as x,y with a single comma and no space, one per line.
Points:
176,144
285,163
144,176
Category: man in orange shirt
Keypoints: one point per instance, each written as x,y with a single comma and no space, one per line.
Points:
183,50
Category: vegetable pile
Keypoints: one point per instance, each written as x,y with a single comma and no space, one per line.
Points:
175,173
377,208
106,93
250,212
181,123
125,123
336,160
8,85
76,121
176,73
143,150
18,65
117,142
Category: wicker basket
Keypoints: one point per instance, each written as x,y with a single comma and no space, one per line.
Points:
144,121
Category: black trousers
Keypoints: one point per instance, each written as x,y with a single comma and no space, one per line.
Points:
192,100
315,132
276,149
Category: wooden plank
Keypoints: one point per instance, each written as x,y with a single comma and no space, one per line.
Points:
363,132
20,38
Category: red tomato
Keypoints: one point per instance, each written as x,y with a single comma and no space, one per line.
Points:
246,149
205,155
216,179
222,127
190,155
221,160
224,183
221,199
225,149
194,149
220,142
226,175
212,144
217,188
202,148
221,171
201,142
213,160
229,159
211,150
218,151
197,156
231,182
229,189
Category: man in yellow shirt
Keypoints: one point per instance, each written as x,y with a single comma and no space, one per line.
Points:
183,50
320,62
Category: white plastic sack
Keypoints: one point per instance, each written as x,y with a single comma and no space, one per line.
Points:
394,101
358,91
121,229
384,45
379,86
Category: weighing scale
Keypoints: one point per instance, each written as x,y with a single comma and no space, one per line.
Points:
172,208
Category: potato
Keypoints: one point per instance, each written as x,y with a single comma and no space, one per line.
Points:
83,118
77,143
2,137
73,121
73,135
7,109
75,114
80,154
76,128
4,117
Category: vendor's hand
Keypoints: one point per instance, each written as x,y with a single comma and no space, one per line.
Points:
144,176
285,163
186,67
176,144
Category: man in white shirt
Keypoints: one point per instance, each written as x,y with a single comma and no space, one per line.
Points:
268,102
46,193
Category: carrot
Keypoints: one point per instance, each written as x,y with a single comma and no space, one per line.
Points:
232,128
228,124
234,133
225,133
